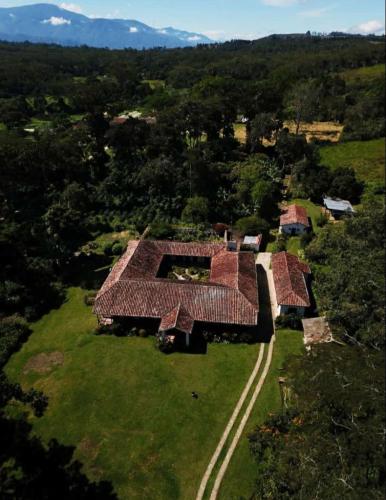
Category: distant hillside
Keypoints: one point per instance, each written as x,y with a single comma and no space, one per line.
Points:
47,23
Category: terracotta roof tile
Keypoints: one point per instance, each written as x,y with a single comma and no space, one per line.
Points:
132,288
294,214
178,318
288,275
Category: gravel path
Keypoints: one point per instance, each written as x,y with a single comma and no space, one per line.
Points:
263,260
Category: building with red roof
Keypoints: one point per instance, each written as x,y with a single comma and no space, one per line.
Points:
290,277
139,288
294,220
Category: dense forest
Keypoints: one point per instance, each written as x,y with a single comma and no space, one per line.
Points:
70,171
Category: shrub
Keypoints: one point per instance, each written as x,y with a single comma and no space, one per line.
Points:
117,248
108,249
161,231
281,243
163,343
196,210
292,321
321,220
89,299
13,332
38,401
143,333
306,239
116,329
251,225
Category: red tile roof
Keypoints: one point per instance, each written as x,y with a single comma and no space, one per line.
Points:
290,284
177,318
133,289
294,214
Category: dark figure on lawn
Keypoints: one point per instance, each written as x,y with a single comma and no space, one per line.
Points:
194,395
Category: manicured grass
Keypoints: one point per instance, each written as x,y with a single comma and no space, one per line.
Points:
239,480
293,245
367,158
365,74
127,407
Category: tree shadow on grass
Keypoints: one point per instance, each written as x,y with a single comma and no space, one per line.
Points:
34,471
88,271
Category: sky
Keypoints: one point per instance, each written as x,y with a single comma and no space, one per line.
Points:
227,19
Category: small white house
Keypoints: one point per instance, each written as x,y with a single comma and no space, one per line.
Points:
294,220
290,277
253,242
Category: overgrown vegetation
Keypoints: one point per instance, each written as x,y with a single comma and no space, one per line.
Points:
328,441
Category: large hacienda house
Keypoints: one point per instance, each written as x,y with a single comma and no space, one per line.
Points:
141,287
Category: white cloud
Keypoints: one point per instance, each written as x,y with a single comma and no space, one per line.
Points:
215,34
56,21
368,27
71,6
316,12
133,29
194,38
282,3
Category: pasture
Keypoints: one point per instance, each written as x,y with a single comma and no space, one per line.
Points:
125,406
367,158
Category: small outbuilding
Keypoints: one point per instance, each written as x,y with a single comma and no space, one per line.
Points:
253,242
338,207
316,331
290,277
294,220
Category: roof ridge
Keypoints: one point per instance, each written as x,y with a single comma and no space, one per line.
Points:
116,279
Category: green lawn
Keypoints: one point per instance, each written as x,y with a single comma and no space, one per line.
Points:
239,480
127,407
366,157
293,245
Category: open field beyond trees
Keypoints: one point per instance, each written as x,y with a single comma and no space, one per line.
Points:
127,407
365,74
367,158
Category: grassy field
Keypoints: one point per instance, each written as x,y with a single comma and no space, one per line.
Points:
239,480
365,74
126,407
366,157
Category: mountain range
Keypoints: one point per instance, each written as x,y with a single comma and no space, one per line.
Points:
48,23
